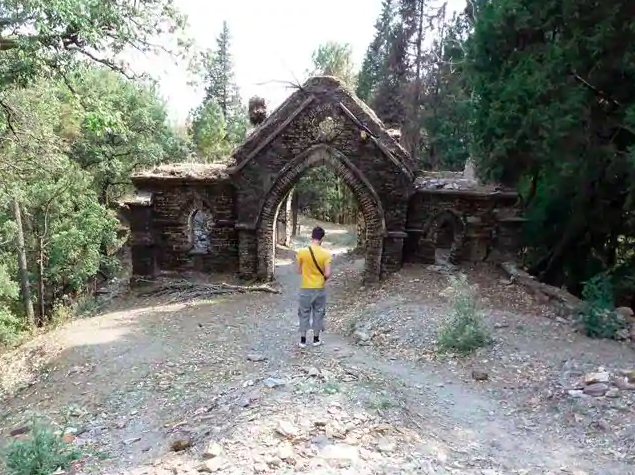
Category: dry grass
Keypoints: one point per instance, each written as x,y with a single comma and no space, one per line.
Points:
192,170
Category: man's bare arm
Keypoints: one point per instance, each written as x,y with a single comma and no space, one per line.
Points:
327,270
298,265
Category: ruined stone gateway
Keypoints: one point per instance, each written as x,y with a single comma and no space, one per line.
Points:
222,218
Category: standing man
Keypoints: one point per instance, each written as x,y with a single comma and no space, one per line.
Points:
314,265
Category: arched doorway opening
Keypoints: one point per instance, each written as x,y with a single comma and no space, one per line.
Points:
446,232
367,199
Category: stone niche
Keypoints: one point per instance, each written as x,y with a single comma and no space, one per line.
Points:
186,222
453,218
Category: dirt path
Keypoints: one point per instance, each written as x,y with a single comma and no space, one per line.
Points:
227,370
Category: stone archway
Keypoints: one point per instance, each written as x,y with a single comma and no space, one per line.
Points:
448,226
367,198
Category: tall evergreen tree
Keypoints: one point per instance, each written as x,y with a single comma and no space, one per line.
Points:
554,113
219,75
376,54
445,100
389,100
230,126
335,59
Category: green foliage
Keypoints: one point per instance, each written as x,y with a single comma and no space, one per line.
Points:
208,131
43,38
335,59
596,318
121,126
446,105
220,122
465,330
42,453
11,327
376,54
72,132
323,195
552,113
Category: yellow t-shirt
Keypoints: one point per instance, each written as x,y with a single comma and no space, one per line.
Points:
311,277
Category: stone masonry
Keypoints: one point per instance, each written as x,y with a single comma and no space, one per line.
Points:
228,218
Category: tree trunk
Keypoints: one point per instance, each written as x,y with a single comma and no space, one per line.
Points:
22,265
294,213
40,283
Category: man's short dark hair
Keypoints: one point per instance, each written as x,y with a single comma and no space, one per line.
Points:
317,233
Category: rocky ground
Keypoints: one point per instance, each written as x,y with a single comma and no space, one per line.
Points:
172,385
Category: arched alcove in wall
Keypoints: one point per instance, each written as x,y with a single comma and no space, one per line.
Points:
446,232
198,232
368,201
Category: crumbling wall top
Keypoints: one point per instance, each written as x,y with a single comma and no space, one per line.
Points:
182,172
465,182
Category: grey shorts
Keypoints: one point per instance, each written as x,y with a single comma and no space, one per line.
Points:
311,309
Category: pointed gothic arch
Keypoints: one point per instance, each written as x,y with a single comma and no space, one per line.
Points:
367,198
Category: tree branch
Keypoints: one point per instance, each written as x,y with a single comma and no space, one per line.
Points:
106,62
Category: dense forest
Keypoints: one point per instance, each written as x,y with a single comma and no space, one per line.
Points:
538,93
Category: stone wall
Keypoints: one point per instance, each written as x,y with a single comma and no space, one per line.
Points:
141,241
192,225
323,124
217,218
472,225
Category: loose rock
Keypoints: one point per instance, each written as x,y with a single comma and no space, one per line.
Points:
313,372
600,377
211,466
260,467
386,446
576,393
340,452
630,375
181,445
20,431
625,313
623,384
596,389
256,357
361,338
273,383
213,450
285,452
286,429
273,461
479,375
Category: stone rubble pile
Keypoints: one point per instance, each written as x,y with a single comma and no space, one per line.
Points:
445,183
603,383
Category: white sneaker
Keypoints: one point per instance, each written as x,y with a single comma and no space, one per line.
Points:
302,345
317,343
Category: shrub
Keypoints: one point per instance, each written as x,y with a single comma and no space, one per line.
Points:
465,330
10,328
41,454
596,318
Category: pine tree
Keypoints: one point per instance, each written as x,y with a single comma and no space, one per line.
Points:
554,113
334,59
388,102
217,69
219,75
370,73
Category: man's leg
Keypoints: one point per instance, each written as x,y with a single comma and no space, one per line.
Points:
304,314
319,311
